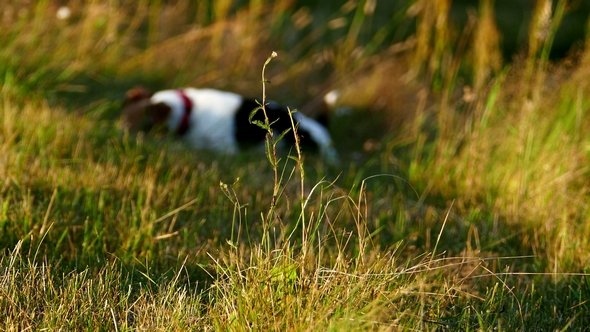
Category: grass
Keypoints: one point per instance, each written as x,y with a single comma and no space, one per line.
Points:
460,202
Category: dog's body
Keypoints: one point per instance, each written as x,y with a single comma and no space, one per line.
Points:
219,120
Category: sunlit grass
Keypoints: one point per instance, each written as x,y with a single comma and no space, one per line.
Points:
460,203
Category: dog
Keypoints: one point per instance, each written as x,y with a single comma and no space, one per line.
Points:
220,121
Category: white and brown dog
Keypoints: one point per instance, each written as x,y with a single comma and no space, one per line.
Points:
218,120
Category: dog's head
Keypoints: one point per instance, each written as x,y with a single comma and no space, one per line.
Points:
140,114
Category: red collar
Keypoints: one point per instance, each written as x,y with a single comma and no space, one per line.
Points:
188,107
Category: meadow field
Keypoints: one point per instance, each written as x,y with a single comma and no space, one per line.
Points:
460,202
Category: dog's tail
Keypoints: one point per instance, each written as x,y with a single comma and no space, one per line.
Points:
321,107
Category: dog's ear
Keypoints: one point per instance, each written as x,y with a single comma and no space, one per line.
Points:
136,94
159,113
133,115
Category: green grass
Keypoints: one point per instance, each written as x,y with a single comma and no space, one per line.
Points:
460,202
